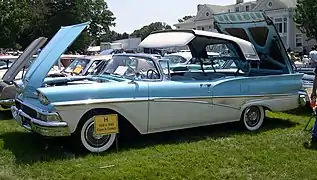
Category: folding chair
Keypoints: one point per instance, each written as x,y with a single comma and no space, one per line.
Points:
308,92
308,122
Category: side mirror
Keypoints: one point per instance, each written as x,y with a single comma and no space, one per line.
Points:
165,65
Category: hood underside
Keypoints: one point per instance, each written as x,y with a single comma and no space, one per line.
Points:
23,59
51,53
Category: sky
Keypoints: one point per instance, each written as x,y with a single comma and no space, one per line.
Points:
134,14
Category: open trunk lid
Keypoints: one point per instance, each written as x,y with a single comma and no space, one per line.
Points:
258,29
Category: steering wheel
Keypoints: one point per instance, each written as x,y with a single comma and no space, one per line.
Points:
152,72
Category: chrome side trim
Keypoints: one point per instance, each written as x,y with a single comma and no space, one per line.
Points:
182,100
227,106
195,99
97,101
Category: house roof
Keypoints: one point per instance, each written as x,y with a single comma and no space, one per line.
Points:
289,3
188,21
218,9
215,9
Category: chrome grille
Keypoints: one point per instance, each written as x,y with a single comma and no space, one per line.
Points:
29,111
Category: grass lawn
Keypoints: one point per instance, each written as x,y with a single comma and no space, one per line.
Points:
215,152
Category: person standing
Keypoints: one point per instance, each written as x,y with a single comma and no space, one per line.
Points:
313,58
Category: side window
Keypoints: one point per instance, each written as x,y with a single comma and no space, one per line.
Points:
219,56
93,66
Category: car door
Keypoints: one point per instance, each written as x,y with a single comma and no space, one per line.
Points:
179,104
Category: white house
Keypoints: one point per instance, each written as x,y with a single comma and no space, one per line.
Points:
280,11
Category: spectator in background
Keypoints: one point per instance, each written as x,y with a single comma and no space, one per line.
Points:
304,51
313,56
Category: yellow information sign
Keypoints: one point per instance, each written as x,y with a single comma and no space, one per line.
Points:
78,69
106,124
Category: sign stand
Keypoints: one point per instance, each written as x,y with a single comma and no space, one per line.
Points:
117,144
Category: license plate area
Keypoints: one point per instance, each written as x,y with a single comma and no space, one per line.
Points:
25,121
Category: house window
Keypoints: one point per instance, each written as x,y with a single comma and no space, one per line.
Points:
202,28
228,10
247,8
237,9
299,40
281,24
210,27
270,4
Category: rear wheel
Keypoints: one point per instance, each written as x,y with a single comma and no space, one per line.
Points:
253,117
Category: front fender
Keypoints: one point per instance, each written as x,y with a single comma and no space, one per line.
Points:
136,112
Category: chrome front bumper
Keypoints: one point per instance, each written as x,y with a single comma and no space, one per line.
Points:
52,128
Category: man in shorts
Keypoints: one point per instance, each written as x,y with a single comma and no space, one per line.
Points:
313,59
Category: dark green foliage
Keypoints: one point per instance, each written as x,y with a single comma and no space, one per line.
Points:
306,17
146,30
21,21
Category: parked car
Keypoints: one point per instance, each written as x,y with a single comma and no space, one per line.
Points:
133,89
82,66
7,88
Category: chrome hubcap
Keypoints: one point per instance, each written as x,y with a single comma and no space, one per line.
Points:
93,139
253,116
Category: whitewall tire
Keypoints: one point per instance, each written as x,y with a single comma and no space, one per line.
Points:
92,142
253,117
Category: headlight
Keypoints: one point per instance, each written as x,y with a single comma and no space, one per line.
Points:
49,117
43,99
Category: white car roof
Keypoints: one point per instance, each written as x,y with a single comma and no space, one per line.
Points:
180,38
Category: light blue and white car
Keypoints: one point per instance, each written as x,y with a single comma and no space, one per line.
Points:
134,90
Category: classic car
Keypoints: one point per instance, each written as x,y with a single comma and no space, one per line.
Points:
7,88
134,90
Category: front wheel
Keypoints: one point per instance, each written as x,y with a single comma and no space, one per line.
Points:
92,142
253,117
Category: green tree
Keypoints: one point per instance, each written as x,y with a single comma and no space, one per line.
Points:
78,11
21,21
305,17
146,30
13,21
185,18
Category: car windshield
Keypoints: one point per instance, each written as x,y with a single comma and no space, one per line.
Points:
131,67
221,60
77,65
175,59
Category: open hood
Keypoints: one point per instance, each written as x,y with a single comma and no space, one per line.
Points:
50,55
23,59
258,29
